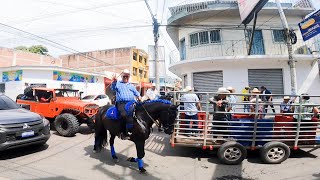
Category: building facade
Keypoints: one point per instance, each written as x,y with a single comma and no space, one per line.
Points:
13,80
212,49
113,60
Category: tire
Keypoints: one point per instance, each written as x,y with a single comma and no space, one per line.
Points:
232,153
66,124
19,96
274,152
28,91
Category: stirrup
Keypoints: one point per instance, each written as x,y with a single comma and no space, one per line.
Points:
123,136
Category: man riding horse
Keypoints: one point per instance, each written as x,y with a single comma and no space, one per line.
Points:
125,92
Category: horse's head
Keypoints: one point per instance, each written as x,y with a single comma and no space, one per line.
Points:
168,117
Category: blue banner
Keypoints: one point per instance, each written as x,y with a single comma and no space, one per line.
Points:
310,27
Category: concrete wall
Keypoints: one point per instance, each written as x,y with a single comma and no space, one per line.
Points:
11,57
233,42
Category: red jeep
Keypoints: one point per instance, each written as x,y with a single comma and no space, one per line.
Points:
61,106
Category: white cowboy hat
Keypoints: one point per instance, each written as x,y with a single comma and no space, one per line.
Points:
286,97
153,84
125,71
255,90
223,90
187,89
231,89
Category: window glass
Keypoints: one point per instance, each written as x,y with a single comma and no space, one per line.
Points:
204,37
6,103
194,39
215,36
278,35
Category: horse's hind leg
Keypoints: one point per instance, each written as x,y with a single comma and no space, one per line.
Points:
113,152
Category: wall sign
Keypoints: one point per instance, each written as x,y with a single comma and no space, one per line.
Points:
12,76
73,77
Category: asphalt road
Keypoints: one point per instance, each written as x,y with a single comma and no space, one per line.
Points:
72,158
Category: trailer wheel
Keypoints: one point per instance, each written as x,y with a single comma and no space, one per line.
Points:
274,152
232,153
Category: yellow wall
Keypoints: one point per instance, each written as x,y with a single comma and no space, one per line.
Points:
139,65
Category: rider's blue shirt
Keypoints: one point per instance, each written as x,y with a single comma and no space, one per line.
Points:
124,91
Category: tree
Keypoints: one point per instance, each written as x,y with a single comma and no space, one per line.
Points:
38,49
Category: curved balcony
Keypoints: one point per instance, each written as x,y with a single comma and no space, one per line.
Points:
189,7
237,49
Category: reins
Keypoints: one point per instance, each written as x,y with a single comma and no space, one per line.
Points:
156,122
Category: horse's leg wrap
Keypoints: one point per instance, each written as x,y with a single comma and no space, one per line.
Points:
140,165
113,152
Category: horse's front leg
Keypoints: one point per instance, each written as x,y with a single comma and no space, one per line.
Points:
113,152
140,155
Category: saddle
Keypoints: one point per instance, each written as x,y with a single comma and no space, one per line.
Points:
113,114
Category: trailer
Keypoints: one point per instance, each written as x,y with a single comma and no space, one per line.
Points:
274,134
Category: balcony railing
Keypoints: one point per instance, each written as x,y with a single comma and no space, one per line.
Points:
191,6
240,48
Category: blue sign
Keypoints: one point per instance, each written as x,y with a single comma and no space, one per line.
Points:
310,27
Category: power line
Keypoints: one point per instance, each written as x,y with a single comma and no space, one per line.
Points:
75,11
58,45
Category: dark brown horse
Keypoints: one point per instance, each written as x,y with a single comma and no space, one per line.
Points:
161,112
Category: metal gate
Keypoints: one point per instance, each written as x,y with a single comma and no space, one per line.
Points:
272,79
207,81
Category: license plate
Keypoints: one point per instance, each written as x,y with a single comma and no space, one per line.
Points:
27,134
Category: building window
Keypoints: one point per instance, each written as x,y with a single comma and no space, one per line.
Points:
145,74
194,39
140,73
134,72
2,87
215,36
135,56
204,37
140,59
145,61
278,35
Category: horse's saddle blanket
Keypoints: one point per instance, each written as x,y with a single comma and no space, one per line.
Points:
113,113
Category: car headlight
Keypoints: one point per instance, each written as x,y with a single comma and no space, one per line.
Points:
45,121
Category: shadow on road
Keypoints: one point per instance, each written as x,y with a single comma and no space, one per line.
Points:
23,151
53,178
105,159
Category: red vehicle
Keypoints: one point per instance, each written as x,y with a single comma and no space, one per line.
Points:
63,107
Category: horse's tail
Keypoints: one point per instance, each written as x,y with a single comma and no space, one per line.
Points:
101,134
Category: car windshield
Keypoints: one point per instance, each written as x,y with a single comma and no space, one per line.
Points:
88,97
6,103
66,93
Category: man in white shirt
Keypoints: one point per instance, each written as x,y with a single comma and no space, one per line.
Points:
191,106
152,92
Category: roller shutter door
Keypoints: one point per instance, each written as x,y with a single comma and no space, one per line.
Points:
272,79
208,81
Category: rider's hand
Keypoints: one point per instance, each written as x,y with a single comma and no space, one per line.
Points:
114,77
139,99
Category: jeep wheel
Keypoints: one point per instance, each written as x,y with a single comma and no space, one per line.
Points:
66,124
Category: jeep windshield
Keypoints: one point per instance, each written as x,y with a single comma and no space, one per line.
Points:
66,93
6,103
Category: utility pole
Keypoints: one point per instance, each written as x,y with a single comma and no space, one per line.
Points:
156,38
291,62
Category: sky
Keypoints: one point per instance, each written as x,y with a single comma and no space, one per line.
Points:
84,25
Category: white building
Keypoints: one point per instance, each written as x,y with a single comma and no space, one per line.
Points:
212,47
13,80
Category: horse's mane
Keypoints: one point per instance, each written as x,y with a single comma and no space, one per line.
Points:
156,101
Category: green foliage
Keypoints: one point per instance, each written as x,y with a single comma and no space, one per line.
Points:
38,49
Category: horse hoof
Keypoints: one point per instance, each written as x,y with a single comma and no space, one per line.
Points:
131,159
115,159
142,170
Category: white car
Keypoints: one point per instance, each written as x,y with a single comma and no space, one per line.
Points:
100,99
